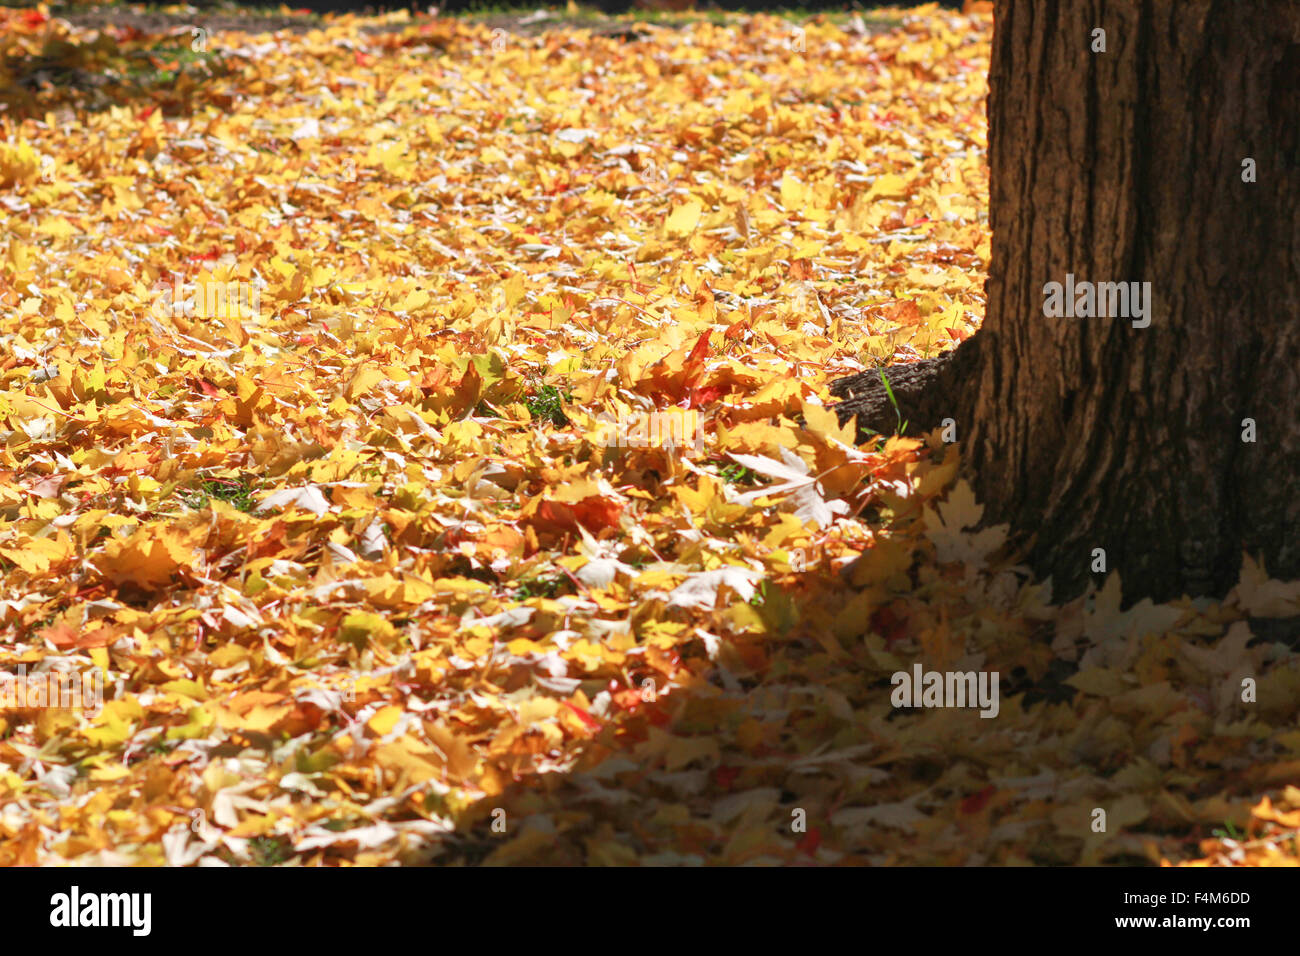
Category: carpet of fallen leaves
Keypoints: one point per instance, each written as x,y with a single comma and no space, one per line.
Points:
365,577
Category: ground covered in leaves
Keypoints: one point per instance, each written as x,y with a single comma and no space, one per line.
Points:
366,575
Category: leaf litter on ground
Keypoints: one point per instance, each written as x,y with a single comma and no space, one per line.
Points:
364,573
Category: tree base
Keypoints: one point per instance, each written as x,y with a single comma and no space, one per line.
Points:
924,393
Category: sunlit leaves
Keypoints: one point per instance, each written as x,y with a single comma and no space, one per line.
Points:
374,543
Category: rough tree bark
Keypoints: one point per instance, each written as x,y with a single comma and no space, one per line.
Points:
1127,166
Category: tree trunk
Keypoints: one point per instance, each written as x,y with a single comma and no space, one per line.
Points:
1129,165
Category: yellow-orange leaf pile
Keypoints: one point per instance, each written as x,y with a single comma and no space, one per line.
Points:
424,431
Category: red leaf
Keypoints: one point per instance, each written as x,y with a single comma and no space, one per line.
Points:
699,397
628,699
726,776
699,353
811,841
591,722
592,513
889,625
60,635
63,636
737,330
977,801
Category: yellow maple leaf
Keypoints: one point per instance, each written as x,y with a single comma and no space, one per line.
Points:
360,627
19,163
684,218
384,720
888,186
149,557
